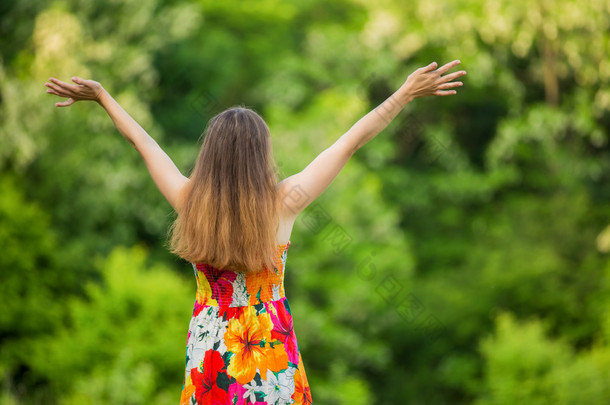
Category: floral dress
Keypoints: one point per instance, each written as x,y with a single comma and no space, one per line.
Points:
241,346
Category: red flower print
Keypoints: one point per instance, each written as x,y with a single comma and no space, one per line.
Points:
236,394
282,328
197,308
207,391
228,313
221,283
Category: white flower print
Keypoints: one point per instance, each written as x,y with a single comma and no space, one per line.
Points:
207,329
284,256
250,388
240,296
195,356
278,390
276,292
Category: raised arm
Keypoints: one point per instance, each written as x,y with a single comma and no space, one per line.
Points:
162,169
301,189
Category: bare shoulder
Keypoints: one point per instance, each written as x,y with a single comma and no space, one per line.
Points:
287,211
181,194
292,198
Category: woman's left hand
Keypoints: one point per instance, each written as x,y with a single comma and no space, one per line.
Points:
82,90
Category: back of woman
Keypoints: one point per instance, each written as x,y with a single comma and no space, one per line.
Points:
241,342
234,223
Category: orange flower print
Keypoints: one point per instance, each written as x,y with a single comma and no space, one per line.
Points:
261,283
187,391
247,337
302,393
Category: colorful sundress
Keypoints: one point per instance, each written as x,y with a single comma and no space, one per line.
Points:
241,346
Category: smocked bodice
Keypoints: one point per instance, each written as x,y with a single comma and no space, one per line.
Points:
227,288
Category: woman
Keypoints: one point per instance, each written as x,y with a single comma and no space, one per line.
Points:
233,224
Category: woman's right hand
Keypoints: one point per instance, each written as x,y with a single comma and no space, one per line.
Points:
428,81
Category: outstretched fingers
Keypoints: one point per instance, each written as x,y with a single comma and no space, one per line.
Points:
65,103
450,85
447,80
61,89
444,92
82,90
448,66
66,86
57,90
429,68
429,80
453,76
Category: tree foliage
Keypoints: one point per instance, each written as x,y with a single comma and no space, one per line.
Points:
460,257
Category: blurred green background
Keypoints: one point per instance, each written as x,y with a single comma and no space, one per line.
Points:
461,257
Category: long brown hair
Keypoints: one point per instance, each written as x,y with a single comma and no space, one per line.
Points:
229,210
